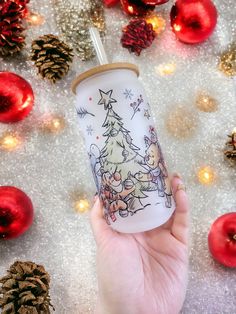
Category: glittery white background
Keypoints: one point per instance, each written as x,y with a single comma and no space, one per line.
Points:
52,169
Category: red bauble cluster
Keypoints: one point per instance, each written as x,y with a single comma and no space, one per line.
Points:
193,21
137,36
16,212
16,97
222,240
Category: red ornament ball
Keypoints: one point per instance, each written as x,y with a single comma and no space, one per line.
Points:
193,21
136,7
222,239
110,3
16,97
16,212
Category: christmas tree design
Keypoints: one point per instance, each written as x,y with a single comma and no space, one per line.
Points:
119,153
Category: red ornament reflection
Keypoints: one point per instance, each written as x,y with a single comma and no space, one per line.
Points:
16,97
136,7
222,239
193,21
16,212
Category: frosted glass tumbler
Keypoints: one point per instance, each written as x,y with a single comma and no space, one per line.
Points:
122,144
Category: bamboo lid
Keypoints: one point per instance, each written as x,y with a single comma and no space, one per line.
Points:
100,69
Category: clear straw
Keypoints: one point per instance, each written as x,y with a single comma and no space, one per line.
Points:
96,39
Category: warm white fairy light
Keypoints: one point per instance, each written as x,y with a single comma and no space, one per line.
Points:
35,19
166,68
206,103
82,206
206,175
10,141
54,124
158,23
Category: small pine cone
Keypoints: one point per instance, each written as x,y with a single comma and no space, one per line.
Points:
12,39
25,289
137,36
52,57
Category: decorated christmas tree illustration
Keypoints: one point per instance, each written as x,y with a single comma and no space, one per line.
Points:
119,153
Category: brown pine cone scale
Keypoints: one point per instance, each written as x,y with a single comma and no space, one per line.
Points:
25,290
52,57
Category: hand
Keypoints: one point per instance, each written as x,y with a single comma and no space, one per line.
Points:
143,273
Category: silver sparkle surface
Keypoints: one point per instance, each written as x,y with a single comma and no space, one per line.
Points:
73,21
51,169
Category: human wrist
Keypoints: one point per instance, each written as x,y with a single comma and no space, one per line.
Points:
101,308
104,308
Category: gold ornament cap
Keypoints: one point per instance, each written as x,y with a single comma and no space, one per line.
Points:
103,68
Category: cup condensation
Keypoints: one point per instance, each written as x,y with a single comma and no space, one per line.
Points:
122,144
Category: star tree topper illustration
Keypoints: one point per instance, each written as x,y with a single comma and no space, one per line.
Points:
106,99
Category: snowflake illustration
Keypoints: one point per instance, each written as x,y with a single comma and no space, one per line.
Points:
128,94
89,130
147,114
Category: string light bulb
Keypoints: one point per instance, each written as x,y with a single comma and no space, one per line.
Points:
206,175
158,23
54,124
166,68
181,122
10,141
35,19
82,206
206,103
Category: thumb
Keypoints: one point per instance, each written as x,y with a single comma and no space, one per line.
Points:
99,225
180,226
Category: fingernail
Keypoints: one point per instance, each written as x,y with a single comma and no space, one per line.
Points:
177,175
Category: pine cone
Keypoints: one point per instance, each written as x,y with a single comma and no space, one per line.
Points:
25,289
230,154
138,35
27,310
24,4
11,37
52,57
